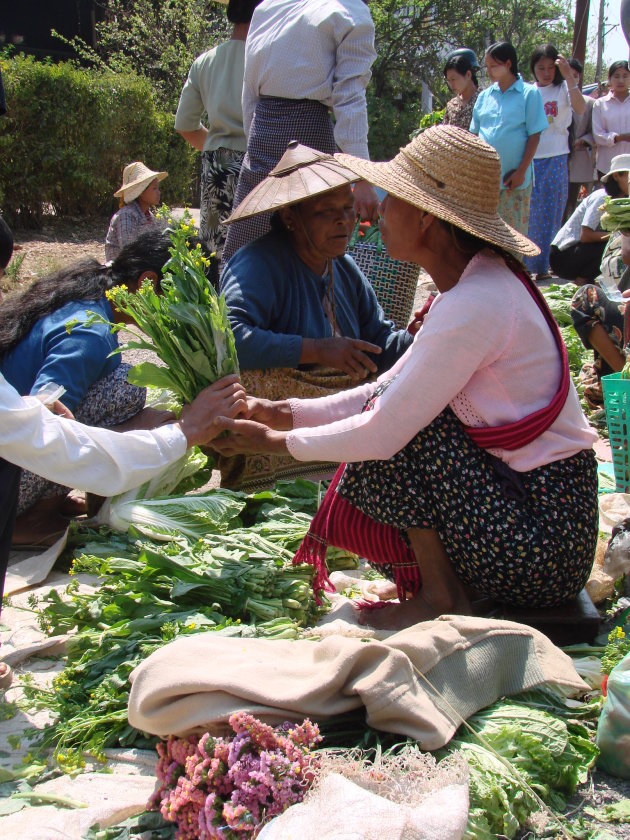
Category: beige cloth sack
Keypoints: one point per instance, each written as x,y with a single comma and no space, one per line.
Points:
195,683
342,810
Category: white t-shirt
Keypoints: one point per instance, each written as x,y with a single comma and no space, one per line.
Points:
555,139
588,213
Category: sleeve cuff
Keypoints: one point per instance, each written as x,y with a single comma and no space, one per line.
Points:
172,439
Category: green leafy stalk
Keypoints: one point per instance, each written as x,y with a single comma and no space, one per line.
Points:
186,325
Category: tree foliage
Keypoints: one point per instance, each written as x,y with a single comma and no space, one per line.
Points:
413,37
70,158
157,39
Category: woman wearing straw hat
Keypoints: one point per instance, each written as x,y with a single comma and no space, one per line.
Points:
306,321
469,468
139,192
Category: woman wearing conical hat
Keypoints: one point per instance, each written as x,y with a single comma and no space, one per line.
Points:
306,321
468,470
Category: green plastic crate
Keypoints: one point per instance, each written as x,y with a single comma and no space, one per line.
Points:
617,404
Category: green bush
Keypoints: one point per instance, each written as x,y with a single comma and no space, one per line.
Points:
390,124
68,134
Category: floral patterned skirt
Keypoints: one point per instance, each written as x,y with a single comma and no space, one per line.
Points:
549,198
514,208
220,169
526,539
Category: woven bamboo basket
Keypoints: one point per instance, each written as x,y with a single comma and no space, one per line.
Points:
394,282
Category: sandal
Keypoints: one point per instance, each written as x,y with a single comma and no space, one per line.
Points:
6,676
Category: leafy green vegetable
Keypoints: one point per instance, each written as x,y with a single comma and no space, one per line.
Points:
616,812
187,325
552,756
149,593
616,214
174,517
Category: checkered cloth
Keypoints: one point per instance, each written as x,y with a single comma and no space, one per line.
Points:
276,122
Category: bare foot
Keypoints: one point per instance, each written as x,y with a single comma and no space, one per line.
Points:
422,607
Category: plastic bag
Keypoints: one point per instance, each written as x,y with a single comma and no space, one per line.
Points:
613,730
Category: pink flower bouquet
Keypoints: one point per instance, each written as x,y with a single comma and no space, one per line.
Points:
225,789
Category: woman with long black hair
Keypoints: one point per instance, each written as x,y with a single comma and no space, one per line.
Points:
39,349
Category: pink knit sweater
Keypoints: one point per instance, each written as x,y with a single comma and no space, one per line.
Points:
484,350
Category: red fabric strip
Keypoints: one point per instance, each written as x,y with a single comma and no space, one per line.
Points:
514,435
339,523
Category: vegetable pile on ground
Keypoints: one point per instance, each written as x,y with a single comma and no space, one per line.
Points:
149,592
149,589
559,301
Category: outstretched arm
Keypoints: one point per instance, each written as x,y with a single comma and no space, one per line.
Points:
100,460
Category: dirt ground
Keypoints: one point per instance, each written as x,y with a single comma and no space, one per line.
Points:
60,242
63,241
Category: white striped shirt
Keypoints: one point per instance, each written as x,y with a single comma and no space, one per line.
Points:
313,49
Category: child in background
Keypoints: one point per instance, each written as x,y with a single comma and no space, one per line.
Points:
509,115
140,192
460,73
611,117
551,175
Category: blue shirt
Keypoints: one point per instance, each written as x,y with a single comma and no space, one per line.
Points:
275,300
507,119
49,354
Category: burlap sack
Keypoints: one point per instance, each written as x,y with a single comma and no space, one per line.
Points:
196,683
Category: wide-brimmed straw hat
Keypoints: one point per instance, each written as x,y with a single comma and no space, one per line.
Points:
136,178
452,174
620,163
301,173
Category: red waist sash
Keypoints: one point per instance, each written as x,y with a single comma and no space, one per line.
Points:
521,432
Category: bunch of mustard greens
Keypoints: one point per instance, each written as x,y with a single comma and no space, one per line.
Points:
616,214
186,325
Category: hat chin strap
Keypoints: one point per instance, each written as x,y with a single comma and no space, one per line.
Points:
330,285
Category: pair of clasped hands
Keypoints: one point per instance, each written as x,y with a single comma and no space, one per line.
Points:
254,425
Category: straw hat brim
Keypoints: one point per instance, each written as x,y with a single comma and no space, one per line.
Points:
297,185
398,178
144,182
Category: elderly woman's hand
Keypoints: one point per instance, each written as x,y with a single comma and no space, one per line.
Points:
346,354
224,398
366,202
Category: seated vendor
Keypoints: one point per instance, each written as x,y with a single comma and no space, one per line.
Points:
577,249
37,350
468,468
306,321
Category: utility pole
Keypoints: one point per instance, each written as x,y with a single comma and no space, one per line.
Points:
600,39
580,30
